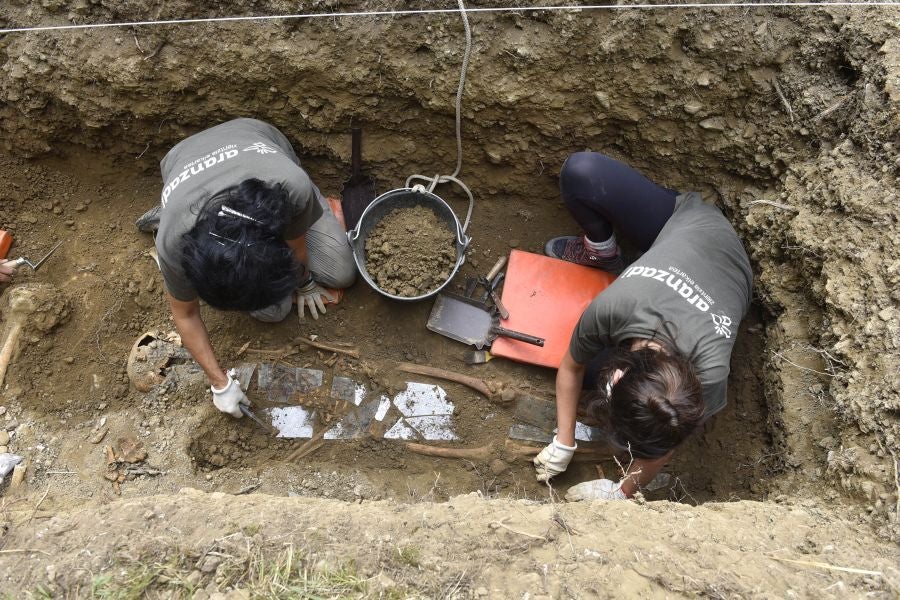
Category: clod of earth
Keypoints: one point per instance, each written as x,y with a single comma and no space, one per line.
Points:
410,252
37,306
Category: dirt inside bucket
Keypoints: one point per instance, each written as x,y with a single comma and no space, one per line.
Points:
410,252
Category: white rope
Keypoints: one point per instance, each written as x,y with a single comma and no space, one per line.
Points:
439,11
434,181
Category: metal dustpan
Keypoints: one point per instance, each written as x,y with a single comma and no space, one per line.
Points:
471,322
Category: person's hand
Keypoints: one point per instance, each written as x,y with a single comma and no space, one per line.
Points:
7,270
311,296
229,398
553,460
598,489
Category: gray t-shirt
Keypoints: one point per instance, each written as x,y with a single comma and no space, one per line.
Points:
213,160
697,277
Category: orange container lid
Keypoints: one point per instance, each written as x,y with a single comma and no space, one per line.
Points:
545,297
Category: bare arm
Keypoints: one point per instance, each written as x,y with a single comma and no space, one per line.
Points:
196,339
641,472
569,379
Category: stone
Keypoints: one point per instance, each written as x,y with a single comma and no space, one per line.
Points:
603,99
4,438
209,564
713,124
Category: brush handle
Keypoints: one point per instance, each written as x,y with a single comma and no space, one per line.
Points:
515,335
496,268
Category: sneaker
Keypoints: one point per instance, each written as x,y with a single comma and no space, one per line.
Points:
572,249
149,221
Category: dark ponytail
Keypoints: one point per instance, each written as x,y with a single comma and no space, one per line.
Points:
235,255
657,403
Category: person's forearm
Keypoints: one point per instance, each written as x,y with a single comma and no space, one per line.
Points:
196,339
641,472
569,380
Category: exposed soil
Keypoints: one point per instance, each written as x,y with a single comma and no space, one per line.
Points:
787,119
410,252
468,547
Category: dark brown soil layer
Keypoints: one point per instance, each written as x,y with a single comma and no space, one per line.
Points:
410,252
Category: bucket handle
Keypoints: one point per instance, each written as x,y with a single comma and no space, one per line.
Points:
445,179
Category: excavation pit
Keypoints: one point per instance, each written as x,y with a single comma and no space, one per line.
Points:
787,120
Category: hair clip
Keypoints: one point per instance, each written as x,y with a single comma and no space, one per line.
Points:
227,239
227,211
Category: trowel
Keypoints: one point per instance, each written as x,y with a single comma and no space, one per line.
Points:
249,413
35,265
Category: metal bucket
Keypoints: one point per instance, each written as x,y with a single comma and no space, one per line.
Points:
404,198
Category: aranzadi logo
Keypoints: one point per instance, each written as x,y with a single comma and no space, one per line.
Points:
722,325
196,167
684,285
260,148
680,282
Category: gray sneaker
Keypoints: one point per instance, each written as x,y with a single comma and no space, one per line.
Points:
149,221
571,248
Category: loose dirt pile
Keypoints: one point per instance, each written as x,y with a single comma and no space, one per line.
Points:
784,117
410,252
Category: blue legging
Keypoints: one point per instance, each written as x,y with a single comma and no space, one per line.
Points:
602,193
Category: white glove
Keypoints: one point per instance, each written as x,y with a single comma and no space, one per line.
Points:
229,398
553,459
310,295
598,489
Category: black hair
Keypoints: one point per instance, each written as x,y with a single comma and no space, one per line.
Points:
656,404
235,255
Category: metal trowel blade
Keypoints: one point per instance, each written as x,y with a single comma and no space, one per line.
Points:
249,413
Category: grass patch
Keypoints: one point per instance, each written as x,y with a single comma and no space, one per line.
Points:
283,575
289,576
409,556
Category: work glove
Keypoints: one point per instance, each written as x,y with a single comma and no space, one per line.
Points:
553,459
598,489
229,398
311,296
